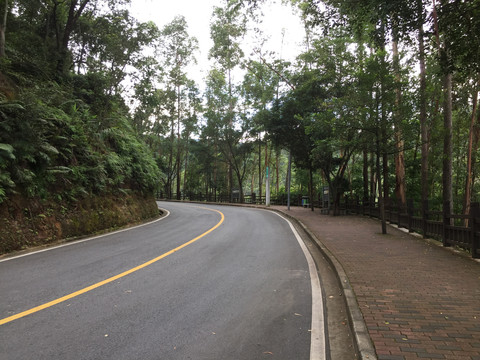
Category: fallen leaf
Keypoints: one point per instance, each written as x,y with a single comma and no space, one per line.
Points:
297,314
268,353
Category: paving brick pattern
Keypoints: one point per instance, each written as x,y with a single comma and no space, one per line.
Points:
419,301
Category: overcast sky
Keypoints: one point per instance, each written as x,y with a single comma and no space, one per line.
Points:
198,15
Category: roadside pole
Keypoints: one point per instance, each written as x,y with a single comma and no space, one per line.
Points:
289,177
267,190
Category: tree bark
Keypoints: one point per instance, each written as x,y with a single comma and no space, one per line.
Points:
170,165
423,105
259,169
381,203
215,164
73,16
277,161
373,179
185,171
470,150
381,139
400,188
447,142
3,28
447,172
179,148
310,188
365,175
289,177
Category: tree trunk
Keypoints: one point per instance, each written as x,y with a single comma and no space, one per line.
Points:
447,119
310,188
386,183
3,28
73,16
423,105
259,169
267,177
215,172
400,188
170,162
241,197
373,179
382,139
381,203
383,118
289,177
277,161
252,185
447,142
185,171
365,175
179,148
470,150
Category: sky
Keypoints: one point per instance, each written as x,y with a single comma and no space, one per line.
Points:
198,15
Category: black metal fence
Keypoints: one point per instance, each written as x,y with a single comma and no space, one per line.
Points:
451,229
295,200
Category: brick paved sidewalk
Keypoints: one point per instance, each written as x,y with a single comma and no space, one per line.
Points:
419,301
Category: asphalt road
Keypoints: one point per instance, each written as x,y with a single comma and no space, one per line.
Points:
236,286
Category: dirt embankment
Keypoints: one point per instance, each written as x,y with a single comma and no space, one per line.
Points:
31,222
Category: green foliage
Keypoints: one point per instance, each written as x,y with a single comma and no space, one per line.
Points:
65,135
66,130
53,143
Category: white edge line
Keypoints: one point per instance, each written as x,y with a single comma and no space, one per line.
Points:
87,239
318,342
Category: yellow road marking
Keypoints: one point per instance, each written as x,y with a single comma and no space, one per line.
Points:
109,280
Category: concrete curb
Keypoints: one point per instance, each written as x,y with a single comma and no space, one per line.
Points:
363,342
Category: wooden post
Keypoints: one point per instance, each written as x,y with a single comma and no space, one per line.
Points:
446,222
474,214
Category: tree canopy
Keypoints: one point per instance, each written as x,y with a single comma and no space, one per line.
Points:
93,100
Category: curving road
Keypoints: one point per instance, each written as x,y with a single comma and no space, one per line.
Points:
204,282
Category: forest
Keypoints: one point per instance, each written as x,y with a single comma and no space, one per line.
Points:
380,105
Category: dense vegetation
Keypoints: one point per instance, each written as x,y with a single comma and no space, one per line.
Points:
381,104
69,156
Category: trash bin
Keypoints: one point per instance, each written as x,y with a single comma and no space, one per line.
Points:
305,201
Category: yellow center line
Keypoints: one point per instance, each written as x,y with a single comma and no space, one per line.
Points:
109,280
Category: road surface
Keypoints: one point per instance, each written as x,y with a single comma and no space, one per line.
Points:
204,282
